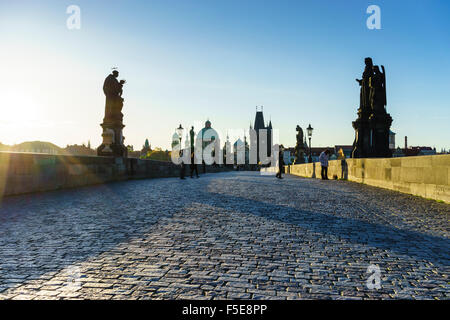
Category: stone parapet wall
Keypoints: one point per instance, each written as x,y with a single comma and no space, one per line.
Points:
31,172
425,176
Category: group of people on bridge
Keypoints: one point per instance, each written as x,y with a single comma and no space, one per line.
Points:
323,159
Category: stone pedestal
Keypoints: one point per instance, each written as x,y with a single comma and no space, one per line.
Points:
361,146
113,139
372,135
299,156
380,125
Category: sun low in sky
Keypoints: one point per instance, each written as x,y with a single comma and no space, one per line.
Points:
189,61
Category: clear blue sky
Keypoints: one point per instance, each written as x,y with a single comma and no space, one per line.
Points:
186,61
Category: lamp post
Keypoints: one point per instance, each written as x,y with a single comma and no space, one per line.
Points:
180,135
309,130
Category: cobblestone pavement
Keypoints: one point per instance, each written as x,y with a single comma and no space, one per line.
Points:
235,235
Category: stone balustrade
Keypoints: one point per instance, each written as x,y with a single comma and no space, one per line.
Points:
425,176
32,172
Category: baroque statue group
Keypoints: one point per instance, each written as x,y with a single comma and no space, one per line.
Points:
373,124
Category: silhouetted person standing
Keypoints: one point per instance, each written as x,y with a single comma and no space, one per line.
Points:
323,158
280,163
183,166
194,166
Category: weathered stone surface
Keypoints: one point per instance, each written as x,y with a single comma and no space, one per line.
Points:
236,235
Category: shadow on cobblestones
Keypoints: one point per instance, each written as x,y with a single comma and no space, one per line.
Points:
44,233
305,223
405,242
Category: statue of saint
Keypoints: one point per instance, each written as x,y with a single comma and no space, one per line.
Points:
299,147
377,84
372,126
113,139
113,90
364,83
299,135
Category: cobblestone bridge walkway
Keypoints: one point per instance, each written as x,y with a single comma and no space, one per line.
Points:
226,235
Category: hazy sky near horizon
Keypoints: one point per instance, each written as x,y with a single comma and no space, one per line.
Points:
189,60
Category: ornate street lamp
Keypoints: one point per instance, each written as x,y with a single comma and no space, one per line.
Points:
309,130
180,134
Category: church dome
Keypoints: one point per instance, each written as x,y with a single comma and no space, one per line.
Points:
212,134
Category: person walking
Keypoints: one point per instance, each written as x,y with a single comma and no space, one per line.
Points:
323,158
280,163
194,166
